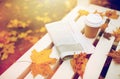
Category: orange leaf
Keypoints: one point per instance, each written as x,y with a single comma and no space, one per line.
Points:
42,57
112,14
41,62
43,69
116,33
79,63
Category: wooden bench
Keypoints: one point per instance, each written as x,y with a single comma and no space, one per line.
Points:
20,69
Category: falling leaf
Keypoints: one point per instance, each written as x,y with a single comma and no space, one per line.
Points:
41,62
7,49
42,57
78,63
43,69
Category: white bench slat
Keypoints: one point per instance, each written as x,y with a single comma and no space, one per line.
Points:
74,13
64,72
20,66
97,59
15,70
114,69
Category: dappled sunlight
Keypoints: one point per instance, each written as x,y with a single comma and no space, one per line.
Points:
22,24
38,10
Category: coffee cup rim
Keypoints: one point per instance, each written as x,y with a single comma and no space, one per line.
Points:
94,20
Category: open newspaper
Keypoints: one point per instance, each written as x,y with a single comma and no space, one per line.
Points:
67,41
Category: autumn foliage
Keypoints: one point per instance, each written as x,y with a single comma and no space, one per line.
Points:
116,33
79,62
17,30
41,62
115,55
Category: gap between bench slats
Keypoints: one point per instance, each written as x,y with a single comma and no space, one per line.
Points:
114,69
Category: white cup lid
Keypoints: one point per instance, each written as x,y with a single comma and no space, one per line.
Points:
94,20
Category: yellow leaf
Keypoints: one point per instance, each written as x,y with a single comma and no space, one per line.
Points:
14,22
43,29
83,12
43,69
29,31
4,56
22,35
13,39
9,48
41,62
78,63
13,33
22,24
42,57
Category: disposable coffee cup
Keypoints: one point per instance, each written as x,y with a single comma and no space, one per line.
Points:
92,25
